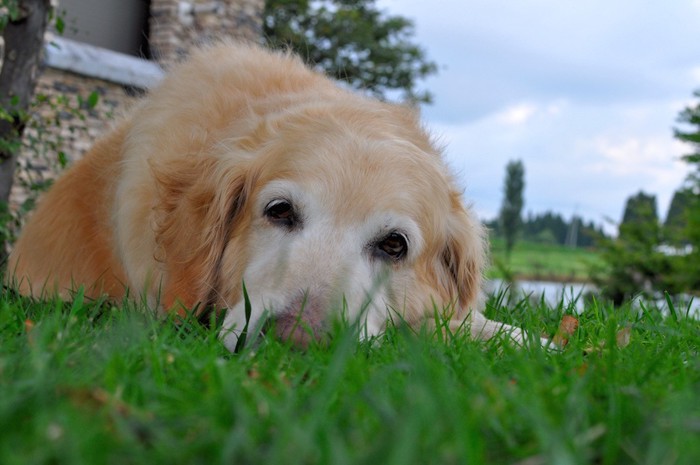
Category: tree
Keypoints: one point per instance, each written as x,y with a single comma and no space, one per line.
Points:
510,216
23,23
351,41
688,269
635,264
676,222
691,116
640,209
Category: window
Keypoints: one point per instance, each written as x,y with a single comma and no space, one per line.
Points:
118,25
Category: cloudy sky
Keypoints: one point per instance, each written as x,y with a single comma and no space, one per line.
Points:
586,93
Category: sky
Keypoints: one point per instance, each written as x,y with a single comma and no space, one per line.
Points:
585,93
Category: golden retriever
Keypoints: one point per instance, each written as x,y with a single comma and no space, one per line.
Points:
245,167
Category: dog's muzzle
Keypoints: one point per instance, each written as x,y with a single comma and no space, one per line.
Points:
301,322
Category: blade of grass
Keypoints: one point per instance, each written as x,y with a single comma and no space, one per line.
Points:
240,343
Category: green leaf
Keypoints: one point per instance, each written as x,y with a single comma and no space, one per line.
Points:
62,159
60,25
92,100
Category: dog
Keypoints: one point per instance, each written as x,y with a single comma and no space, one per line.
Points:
245,169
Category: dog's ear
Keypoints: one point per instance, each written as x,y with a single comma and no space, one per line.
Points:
464,256
198,202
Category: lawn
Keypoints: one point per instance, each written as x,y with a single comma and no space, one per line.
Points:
90,383
543,262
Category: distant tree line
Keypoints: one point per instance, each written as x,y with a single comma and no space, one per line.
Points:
552,228
641,209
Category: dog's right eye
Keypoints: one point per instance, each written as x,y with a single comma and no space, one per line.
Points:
281,212
394,246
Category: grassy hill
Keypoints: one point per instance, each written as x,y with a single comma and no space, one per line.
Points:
542,262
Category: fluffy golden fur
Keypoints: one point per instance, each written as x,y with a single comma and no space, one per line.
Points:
244,166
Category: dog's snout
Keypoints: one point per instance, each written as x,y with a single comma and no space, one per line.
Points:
302,321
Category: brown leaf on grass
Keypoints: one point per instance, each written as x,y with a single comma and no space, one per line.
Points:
582,369
97,398
623,337
567,328
28,327
568,325
622,340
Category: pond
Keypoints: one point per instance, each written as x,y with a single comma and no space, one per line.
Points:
572,294
552,292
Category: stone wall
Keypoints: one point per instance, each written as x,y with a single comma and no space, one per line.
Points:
63,127
175,26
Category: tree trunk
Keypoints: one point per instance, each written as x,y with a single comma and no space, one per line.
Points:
24,39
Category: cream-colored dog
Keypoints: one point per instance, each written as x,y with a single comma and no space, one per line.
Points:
245,167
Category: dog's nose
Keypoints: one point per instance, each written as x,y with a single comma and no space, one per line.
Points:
301,322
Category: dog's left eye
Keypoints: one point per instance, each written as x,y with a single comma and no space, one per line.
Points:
281,212
394,246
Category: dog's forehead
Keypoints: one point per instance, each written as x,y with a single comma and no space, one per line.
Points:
359,160
356,181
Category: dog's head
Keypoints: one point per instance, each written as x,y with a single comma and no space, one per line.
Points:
346,211
334,207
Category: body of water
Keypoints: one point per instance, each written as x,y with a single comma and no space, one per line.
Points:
572,295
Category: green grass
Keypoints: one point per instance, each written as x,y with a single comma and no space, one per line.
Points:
91,383
543,262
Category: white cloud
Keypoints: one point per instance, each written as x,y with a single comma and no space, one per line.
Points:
583,159
695,71
517,115
556,107
652,156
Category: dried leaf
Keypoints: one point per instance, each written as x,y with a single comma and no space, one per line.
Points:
568,325
28,327
567,328
623,337
582,369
